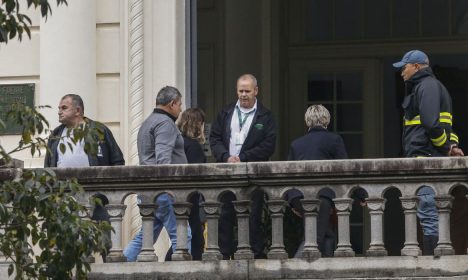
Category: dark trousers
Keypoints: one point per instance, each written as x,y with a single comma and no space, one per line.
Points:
198,242
100,214
429,244
228,219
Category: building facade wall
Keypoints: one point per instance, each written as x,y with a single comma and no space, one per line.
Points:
115,54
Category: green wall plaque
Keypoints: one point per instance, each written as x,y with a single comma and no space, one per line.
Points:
11,94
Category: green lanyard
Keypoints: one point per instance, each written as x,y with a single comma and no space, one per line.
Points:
239,115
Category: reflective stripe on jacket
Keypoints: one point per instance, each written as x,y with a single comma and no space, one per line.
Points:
427,123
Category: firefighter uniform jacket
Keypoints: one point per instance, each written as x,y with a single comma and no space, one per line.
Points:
427,123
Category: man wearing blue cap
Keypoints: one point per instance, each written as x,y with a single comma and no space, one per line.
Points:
427,131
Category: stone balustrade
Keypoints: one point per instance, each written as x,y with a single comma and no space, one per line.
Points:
375,176
343,177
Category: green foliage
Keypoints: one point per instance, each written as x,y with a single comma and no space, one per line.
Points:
14,23
37,209
33,124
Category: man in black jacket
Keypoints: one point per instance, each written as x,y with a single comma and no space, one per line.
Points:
427,131
244,131
71,115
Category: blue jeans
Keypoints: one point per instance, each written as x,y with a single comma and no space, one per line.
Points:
163,216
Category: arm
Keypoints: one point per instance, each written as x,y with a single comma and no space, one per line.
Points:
48,159
194,153
340,149
429,109
115,154
263,150
219,150
165,136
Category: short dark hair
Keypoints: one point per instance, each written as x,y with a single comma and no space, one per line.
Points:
76,101
166,95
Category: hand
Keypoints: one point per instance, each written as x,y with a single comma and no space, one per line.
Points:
455,152
297,213
233,159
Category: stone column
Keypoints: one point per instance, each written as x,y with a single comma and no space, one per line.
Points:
212,210
136,71
116,212
68,57
243,248
411,242
86,216
376,207
444,206
311,207
343,207
147,215
276,208
182,212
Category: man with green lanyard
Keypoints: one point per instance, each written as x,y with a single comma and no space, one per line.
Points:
244,131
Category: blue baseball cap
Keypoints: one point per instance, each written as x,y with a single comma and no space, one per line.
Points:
414,57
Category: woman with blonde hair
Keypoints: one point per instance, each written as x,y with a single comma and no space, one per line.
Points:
318,144
191,124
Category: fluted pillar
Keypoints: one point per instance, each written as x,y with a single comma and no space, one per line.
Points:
116,212
311,207
243,248
212,210
409,205
136,73
376,207
68,57
147,215
343,207
444,206
182,212
276,208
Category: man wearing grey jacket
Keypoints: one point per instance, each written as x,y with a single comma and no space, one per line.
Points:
160,142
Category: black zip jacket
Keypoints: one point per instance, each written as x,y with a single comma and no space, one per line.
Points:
109,153
427,123
261,138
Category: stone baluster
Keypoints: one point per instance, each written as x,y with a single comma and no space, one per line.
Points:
411,242
444,206
212,210
85,215
311,207
147,215
182,212
343,207
276,208
116,212
376,207
243,248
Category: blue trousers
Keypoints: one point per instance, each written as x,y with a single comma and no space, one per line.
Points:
163,216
